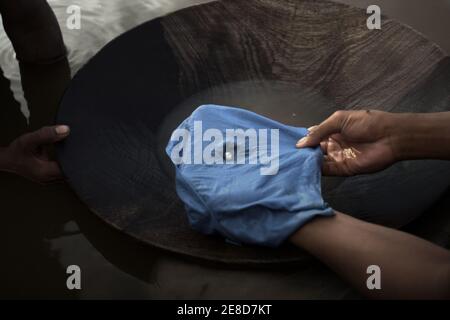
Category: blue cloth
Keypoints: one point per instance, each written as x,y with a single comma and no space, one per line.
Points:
254,203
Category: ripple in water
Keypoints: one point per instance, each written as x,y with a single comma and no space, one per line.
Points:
101,21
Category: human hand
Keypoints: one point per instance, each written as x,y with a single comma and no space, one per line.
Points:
354,142
29,157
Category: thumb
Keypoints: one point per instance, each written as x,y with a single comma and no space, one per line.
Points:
45,135
317,134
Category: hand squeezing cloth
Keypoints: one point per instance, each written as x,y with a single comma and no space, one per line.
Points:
240,175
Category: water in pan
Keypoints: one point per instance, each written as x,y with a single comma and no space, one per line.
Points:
101,21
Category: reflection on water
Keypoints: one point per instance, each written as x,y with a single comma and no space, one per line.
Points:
101,21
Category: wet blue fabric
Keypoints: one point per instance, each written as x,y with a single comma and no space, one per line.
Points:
253,203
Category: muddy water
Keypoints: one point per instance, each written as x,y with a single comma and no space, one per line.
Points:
46,229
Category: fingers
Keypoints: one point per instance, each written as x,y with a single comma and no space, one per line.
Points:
324,146
45,135
39,171
317,134
333,168
46,172
51,171
31,158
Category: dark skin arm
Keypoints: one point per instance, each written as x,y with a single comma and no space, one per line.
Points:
411,268
36,37
33,30
356,142
28,155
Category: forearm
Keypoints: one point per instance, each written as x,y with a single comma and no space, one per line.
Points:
410,267
33,30
421,135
